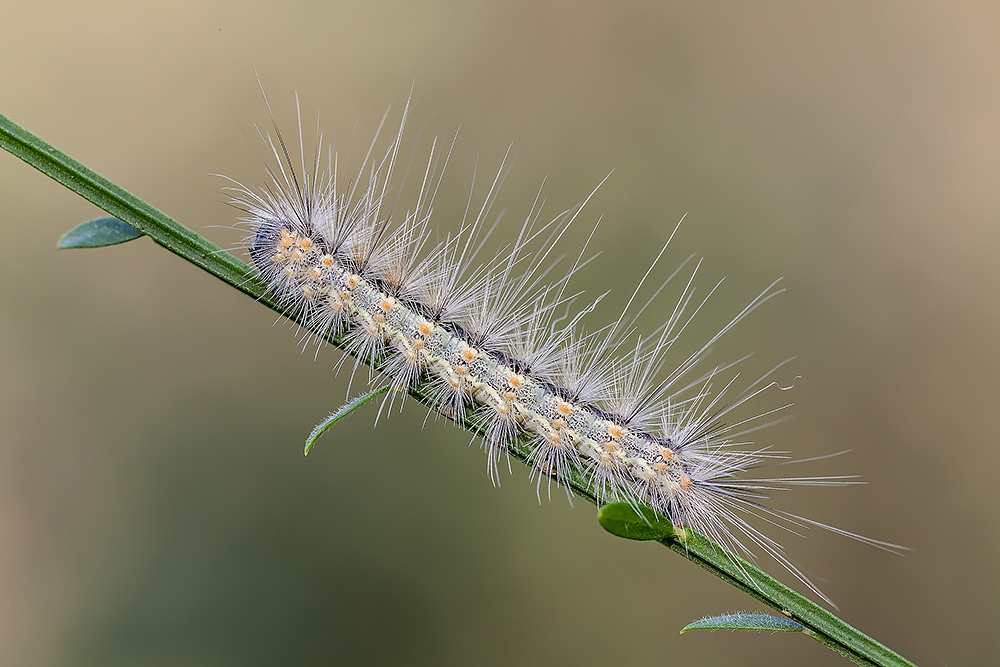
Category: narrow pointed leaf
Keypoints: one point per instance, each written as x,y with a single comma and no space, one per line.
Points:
98,233
759,622
345,409
634,523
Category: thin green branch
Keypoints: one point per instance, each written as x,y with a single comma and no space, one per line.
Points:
164,230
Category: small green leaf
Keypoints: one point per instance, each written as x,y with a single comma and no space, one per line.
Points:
345,409
760,622
97,233
634,522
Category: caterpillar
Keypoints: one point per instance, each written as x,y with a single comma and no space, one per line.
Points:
502,339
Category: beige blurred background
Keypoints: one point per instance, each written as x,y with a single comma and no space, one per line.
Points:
155,507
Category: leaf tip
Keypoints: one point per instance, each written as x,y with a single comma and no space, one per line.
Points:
98,233
344,410
634,522
743,621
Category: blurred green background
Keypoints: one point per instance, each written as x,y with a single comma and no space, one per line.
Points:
155,507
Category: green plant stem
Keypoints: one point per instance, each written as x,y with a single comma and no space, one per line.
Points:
824,626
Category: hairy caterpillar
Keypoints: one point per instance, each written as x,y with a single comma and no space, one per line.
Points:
504,345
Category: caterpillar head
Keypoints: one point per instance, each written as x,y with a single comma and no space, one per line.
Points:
265,243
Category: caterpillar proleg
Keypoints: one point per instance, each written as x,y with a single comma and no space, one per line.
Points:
505,344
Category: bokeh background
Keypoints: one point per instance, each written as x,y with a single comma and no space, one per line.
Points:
155,507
